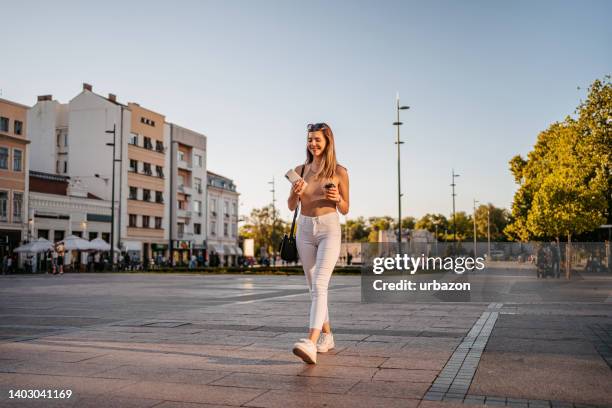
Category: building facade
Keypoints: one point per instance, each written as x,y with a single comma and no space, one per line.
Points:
14,167
187,188
73,140
222,219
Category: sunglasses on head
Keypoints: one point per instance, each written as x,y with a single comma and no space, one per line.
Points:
317,126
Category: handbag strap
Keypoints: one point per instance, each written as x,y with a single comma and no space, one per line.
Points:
296,208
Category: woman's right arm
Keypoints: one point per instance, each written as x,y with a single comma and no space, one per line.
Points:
296,191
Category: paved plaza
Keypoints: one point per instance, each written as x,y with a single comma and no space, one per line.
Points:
172,340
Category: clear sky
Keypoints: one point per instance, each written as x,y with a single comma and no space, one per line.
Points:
482,79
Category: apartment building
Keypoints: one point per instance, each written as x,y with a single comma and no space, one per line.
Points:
187,188
223,219
14,161
72,139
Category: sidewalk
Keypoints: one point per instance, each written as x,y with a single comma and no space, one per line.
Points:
138,340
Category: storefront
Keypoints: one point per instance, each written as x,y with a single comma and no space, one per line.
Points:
181,252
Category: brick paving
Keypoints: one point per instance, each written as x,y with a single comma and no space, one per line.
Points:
136,340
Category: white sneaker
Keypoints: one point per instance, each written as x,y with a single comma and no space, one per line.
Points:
325,343
306,350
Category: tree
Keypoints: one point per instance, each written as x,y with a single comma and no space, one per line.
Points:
378,224
429,221
358,230
490,216
565,183
266,229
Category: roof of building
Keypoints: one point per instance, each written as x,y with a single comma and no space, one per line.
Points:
49,183
15,103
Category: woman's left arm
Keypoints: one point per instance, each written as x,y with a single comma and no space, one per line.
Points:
343,203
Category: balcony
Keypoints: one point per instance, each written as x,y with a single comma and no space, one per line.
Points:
185,189
186,235
183,213
182,164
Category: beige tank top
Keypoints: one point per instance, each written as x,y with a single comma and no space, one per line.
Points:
313,199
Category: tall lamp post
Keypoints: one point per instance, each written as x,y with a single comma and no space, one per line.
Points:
454,218
489,231
475,202
112,234
273,191
398,142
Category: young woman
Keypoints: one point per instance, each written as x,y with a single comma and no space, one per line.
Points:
323,190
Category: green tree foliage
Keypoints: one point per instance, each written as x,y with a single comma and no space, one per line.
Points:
496,218
429,221
266,229
565,182
358,230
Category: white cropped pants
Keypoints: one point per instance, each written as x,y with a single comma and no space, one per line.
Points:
318,243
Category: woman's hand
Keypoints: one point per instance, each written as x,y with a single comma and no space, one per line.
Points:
332,194
298,187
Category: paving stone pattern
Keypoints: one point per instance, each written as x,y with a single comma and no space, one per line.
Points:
138,340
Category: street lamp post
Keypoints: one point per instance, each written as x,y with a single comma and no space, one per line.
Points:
475,202
489,232
273,191
398,142
454,218
112,234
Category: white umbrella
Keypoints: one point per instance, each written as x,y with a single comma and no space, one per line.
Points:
99,244
40,245
74,243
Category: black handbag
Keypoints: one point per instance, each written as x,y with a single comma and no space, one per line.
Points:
288,246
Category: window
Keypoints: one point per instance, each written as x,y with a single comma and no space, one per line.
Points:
159,197
57,166
65,167
58,235
158,222
146,194
197,207
3,205
147,143
17,206
58,137
213,206
18,126
4,124
197,184
132,220
235,208
225,229
17,159
92,235
147,169
133,193
197,229
213,228
134,139
180,228
4,158
43,233
197,160
159,146
234,230
159,170
147,121
134,165
181,155
145,221
226,208
65,139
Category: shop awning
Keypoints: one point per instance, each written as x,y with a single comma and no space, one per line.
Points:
238,250
229,250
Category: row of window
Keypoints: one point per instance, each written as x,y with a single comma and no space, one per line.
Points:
5,125
145,221
146,195
59,235
17,206
197,158
5,159
226,231
180,229
147,143
226,207
145,168
147,121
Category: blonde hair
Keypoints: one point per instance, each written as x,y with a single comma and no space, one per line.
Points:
328,169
